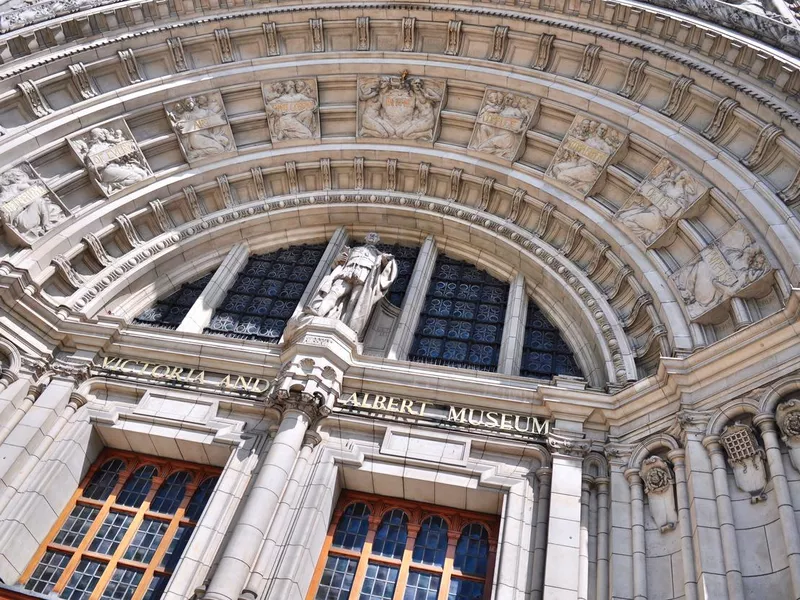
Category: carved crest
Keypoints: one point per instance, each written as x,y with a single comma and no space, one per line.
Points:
400,107
201,125
28,207
502,122
788,417
292,109
746,459
658,485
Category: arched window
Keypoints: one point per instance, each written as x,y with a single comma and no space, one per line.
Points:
431,544
461,324
170,495
382,567
390,539
351,532
265,294
137,486
104,480
544,351
170,311
119,547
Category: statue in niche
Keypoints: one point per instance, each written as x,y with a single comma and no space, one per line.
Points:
659,201
658,485
399,107
27,206
501,124
788,417
201,125
112,157
746,459
360,278
292,110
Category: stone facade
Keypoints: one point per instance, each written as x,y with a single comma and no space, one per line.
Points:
616,184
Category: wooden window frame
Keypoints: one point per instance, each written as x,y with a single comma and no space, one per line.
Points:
133,461
417,512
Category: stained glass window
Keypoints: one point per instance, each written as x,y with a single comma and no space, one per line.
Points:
431,543
472,550
544,351
169,312
127,533
352,528
406,258
461,324
265,294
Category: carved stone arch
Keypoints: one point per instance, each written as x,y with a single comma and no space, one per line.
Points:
731,411
777,392
652,444
595,465
11,358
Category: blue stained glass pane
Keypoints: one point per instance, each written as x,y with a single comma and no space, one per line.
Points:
351,531
545,353
465,589
137,486
104,480
431,544
465,309
472,550
422,586
337,578
390,539
169,312
200,498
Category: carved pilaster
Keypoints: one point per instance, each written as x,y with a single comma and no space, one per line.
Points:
271,38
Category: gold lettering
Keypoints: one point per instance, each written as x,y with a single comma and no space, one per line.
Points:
144,368
254,387
226,383
457,415
527,424
27,197
540,427
392,406
491,419
176,372
121,366
471,413
505,422
364,401
108,362
422,406
379,403
353,399
201,377
156,368
242,383
407,406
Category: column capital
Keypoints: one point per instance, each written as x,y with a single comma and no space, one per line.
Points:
587,482
543,474
712,444
77,400
634,477
765,422
677,456
602,484
563,445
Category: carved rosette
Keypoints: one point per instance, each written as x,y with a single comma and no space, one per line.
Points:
28,207
502,123
746,459
201,125
788,417
400,107
659,486
292,107
584,153
734,265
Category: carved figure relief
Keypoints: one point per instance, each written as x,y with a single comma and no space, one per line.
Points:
746,459
501,124
730,266
360,278
111,156
28,207
788,417
658,485
584,153
201,125
292,109
401,107
663,197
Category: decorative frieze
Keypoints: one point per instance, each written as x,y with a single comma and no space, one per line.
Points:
720,120
271,38
585,152
732,266
633,78
36,102
658,485
292,109
453,45
499,42
28,207
543,51
588,63
764,147
201,126
677,95
746,459
409,34
129,66
224,47
178,57
400,107
317,35
111,156
81,80
502,122
666,195
362,33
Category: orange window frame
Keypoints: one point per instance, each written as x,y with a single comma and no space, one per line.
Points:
133,461
417,512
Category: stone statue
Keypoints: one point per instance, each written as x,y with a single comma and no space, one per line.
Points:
746,459
111,156
659,201
27,205
501,124
722,270
360,278
658,485
399,107
201,125
584,153
788,417
292,109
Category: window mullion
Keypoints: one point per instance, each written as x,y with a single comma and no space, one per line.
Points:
447,569
402,576
363,561
487,586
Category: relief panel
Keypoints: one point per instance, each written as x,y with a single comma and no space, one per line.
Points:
502,122
292,109
28,207
201,125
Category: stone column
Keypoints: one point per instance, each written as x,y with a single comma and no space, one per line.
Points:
514,549
602,484
563,527
199,316
514,328
769,433
583,552
335,246
20,411
240,553
637,534
678,458
12,395
730,547
8,377
414,301
543,474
